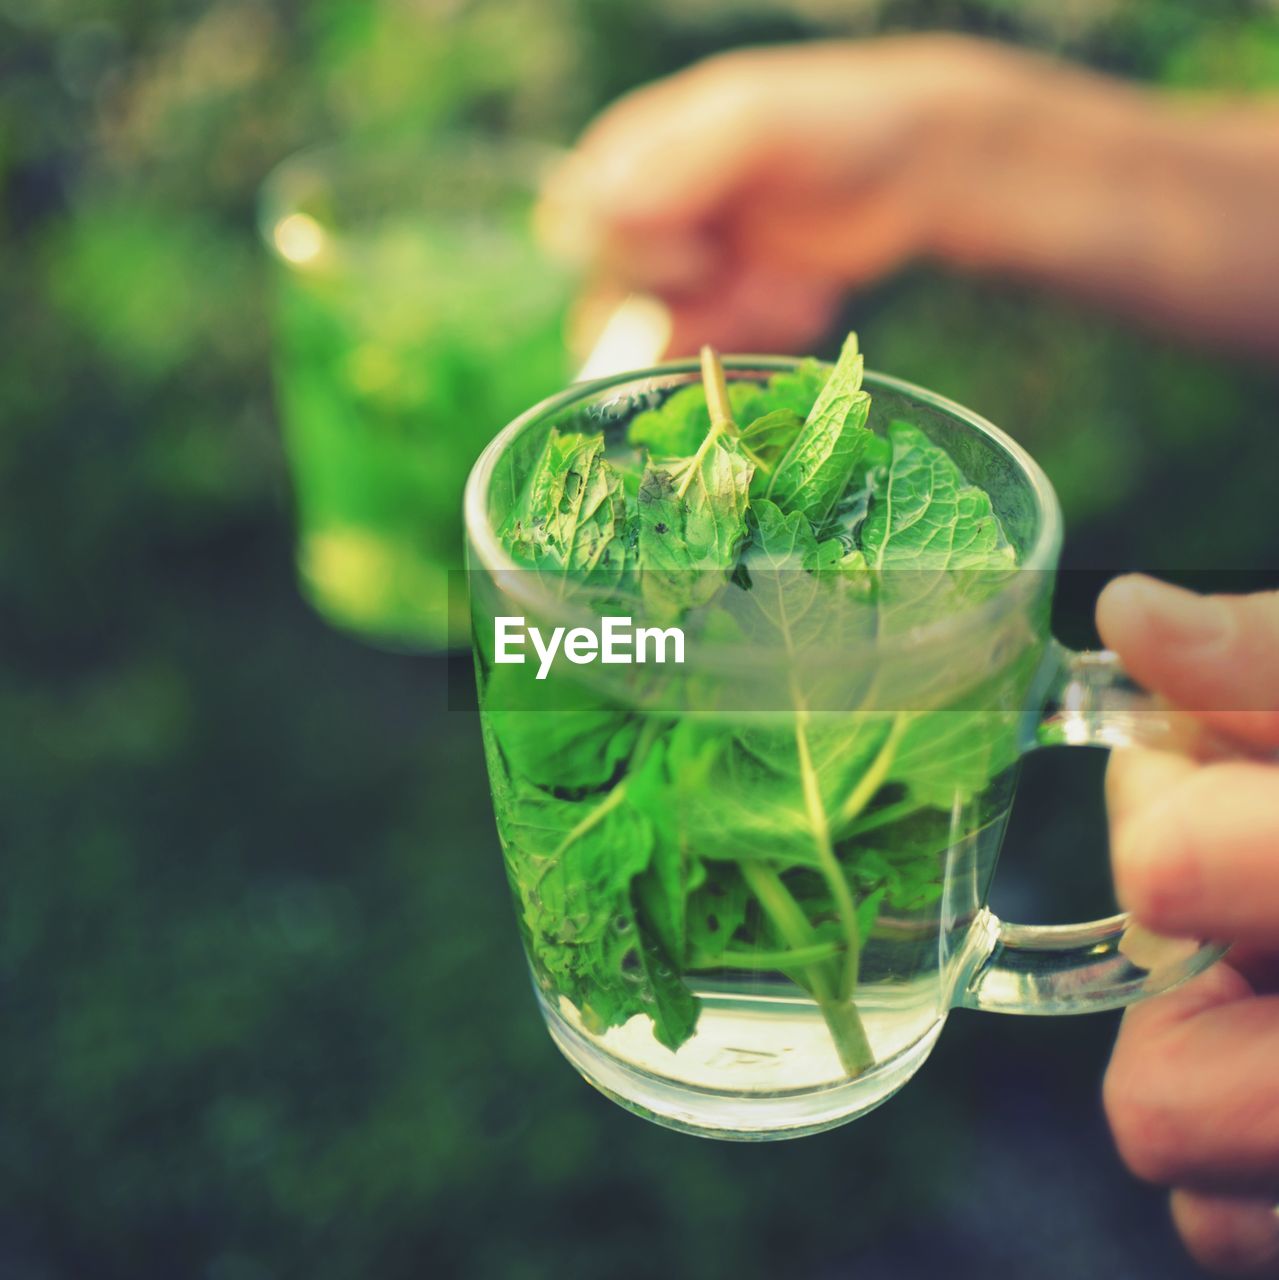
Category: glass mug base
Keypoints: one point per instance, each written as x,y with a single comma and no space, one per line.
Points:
792,1089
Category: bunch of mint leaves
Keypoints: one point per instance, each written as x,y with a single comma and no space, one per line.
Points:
646,848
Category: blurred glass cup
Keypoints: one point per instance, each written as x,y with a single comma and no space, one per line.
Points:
416,314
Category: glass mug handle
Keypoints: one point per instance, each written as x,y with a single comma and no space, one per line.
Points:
1082,968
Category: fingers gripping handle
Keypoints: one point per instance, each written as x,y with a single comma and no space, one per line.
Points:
1104,964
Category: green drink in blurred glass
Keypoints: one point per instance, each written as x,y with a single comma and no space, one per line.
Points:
415,316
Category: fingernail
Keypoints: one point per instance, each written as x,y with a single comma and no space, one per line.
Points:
1181,616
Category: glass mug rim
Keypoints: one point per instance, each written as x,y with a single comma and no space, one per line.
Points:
518,584
528,159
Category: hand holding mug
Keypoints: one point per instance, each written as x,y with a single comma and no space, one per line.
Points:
1193,1088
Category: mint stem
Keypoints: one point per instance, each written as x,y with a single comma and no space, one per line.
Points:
842,1018
721,415
717,392
831,869
870,782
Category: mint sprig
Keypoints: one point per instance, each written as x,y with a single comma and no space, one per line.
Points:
646,851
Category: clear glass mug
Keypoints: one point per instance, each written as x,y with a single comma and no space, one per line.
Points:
401,346
817,951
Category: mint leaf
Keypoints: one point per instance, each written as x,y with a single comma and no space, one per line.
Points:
803,595
946,755
936,547
717,911
952,752
730,804
797,389
766,441
782,546
933,538
670,1005
571,866
677,427
692,521
557,732
927,516
570,519
676,867
819,464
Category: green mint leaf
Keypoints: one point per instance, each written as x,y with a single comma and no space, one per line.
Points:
954,751
782,540
783,605
944,754
678,426
557,732
716,914
669,1004
728,804
869,474
936,547
571,518
833,563
815,472
572,866
933,538
797,389
692,521
766,441
804,594
676,867
906,861
927,516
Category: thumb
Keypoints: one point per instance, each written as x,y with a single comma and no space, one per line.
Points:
1216,655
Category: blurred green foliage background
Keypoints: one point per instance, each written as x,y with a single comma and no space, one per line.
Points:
263,1006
